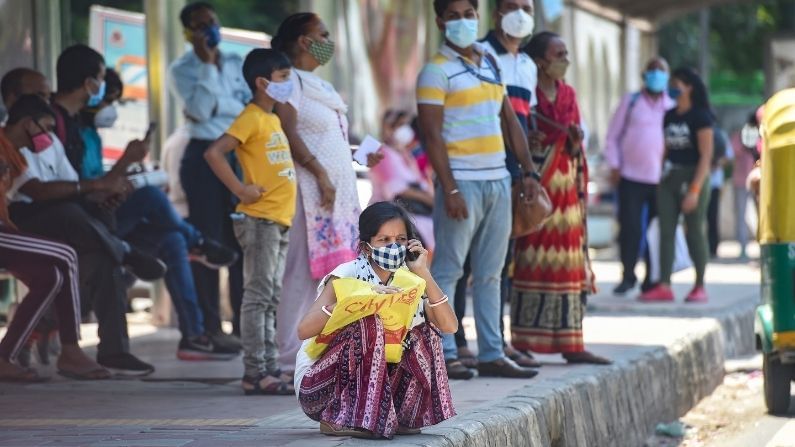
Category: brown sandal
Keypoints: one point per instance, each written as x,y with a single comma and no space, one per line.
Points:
252,386
586,357
523,359
329,429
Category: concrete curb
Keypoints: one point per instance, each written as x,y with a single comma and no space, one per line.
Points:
618,405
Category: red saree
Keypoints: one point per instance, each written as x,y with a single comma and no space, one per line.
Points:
550,282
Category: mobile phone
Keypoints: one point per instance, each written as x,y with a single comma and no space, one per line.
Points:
150,130
410,255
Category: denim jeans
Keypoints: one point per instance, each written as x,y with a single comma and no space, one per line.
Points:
148,220
209,206
264,246
150,205
171,247
484,235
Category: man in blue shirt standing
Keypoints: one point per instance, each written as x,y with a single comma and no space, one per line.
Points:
212,90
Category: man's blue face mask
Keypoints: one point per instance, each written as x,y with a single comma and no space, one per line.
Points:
656,80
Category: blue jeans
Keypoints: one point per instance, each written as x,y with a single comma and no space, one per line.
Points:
484,235
150,205
148,221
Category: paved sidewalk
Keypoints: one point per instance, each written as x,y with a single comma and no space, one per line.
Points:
200,404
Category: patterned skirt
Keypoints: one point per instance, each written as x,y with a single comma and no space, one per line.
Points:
351,385
549,283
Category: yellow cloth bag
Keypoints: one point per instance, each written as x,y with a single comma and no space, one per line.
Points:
356,300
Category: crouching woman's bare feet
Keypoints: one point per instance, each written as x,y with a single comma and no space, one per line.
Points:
73,363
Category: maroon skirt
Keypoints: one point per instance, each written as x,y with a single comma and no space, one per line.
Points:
352,385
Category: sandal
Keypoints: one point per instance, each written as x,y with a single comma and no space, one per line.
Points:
329,429
24,375
252,386
586,357
403,430
524,359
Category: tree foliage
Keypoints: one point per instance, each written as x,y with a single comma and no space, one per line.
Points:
738,35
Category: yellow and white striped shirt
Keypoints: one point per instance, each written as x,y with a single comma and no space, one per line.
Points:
472,97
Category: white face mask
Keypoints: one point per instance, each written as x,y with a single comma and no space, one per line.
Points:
403,135
518,24
106,117
280,91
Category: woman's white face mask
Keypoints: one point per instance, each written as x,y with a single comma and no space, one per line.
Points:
403,135
106,117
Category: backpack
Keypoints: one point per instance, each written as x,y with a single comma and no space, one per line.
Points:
719,142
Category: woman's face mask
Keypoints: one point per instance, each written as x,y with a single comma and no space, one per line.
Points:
403,135
106,117
322,51
390,257
557,69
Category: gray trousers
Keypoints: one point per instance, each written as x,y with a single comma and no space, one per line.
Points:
264,246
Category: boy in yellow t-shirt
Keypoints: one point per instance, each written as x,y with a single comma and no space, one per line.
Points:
267,202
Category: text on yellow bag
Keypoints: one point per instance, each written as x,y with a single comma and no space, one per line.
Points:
356,300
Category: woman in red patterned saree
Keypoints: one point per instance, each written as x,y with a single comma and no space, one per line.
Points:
552,273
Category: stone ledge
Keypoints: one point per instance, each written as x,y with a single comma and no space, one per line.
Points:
618,405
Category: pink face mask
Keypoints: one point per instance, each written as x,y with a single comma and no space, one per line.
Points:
41,142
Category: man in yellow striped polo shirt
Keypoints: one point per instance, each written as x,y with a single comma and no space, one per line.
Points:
464,114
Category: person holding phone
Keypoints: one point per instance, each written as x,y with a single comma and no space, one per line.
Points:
352,381
146,218
209,83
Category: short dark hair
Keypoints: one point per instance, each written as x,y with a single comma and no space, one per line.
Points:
261,63
539,44
75,65
33,106
187,12
379,213
440,6
113,82
11,84
293,27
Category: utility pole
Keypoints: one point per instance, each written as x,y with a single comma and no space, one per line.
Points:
704,56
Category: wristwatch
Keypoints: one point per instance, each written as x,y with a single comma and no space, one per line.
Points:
533,174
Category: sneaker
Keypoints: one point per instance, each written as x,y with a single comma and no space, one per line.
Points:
660,293
505,367
126,365
144,266
697,295
624,287
202,348
213,255
227,341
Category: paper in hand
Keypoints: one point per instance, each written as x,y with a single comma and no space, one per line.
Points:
369,146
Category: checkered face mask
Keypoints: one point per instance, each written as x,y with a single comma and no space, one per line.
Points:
389,258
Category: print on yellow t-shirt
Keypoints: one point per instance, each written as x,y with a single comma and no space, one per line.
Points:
264,156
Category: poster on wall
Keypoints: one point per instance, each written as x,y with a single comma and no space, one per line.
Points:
121,38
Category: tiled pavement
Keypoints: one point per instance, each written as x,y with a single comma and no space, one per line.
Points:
199,404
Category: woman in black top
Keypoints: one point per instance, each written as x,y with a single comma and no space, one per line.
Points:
683,187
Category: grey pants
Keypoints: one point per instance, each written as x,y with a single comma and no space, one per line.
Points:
264,246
